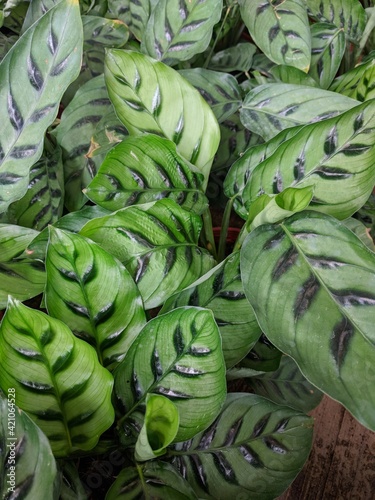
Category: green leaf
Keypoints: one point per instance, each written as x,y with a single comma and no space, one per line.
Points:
335,156
254,449
151,97
6,42
286,386
106,32
143,169
271,107
348,15
27,463
160,427
280,29
327,51
158,244
178,29
108,132
133,13
360,230
71,486
36,9
236,58
33,77
220,90
221,291
177,355
358,82
151,480
93,294
57,377
73,134
19,277
329,311
264,356
289,74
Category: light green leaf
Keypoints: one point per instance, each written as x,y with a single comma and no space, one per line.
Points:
254,449
27,462
325,321
106,32
133,13
159,429
358,82
158,244
236,58
271,107
143,169
36,9
280,29
58,379
178,29
289,74
33,77
327,50
177,355
93,294
221,291
150,97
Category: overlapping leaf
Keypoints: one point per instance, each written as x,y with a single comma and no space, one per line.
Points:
357,83
177,355
93,294
280,29
108,132
58,379
19,277
270,108
236,58
133,13
33,77
103,31
36,9
335,156
25,455
289,74
263,357
254,449
325,321
158,243
221,291
151,97
143,169
178,29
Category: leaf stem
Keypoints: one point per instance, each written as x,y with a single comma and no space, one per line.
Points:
224,229
208,60
208,234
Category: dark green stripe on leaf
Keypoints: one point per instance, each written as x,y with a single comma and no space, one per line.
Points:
306,296
286,261
340,340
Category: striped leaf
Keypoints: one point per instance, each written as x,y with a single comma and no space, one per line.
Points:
73,134
106,32
220,90
270,108
221,291
33,77
325,321
151,480
286,386
19,277
280,29
263,357
36,9
327,51
151,97
71,486
177,355
143,169
108,132
236,58
178,29
158,243
348,15
254,449
361,231
335,156
57,378
357,83
134,13
25,455
289,74
43,202
93,294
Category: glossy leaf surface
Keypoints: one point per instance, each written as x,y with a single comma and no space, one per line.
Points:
325,321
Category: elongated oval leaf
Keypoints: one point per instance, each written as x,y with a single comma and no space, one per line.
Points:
280,29
158,243
289,74
27,462
254,449
177,355
178,29
58,379
335,156
270,108
236,58
143,169
93,294
151,97
358,82
325,321
33,77
36,10
133,13
221,291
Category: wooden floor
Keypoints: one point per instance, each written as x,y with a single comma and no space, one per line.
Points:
341,465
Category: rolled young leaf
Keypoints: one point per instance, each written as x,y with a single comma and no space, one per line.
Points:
325,320
57,378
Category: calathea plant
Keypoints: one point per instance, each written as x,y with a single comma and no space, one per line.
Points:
119,119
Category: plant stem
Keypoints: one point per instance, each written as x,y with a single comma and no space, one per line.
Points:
224,229
208,233
207,62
